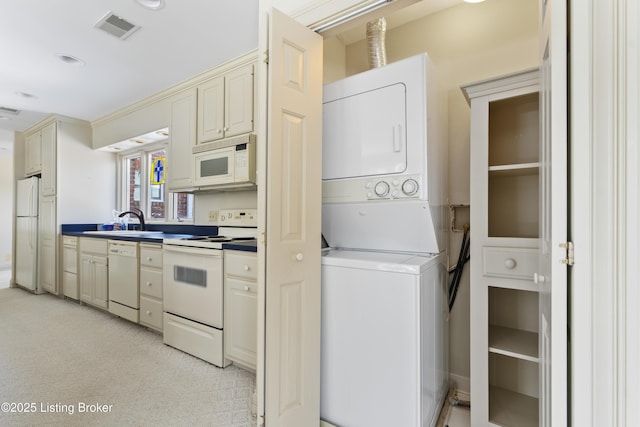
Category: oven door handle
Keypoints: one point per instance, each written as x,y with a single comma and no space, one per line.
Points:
194,251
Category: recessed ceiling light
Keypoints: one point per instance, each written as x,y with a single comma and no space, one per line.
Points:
151,4
25,95
69,59
473,1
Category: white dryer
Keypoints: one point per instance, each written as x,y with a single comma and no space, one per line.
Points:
384,160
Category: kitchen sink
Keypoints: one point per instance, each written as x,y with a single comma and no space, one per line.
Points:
124,232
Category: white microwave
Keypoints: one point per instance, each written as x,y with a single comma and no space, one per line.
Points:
226,165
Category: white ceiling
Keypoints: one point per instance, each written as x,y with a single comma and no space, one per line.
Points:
184,38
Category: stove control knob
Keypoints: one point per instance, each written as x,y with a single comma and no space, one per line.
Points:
368,185
381,189
410,187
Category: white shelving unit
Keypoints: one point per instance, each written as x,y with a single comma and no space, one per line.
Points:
505,171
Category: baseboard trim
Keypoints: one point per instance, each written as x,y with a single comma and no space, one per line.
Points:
460,383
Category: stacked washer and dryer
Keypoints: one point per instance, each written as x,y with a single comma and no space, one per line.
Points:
384,358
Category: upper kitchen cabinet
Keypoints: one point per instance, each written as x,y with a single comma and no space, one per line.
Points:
33,153
225,105
182,128
48,152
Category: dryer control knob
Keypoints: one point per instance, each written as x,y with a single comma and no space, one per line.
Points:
381,189
410,187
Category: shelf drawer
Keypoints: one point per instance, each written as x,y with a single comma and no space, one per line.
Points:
151,312
194,338
241,265
95,246
151,282
151,256
513,263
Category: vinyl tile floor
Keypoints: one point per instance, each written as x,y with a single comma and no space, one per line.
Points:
66,364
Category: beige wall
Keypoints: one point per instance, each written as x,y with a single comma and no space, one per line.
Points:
466,43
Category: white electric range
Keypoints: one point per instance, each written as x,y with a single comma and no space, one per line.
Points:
193,286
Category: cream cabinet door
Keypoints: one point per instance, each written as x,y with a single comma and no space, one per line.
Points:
32,155
238,105
292,215
240,321
211,110
48,144
86,279
48,245
101,285
182,130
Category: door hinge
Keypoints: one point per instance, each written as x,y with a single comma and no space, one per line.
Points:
266,56
261,420
568,247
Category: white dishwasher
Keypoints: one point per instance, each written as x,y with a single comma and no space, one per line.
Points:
124,293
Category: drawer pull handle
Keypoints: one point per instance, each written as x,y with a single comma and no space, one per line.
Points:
246,288
148,313
510,263
149,259
246,268
299,257
148,283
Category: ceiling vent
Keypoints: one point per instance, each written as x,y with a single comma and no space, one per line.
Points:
7,110
116,26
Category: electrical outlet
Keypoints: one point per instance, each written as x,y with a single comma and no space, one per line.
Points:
213,216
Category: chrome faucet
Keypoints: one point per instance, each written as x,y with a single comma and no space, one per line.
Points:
138,213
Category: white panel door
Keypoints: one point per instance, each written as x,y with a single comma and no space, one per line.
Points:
293,181
552,274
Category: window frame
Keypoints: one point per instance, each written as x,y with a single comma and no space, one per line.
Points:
167,196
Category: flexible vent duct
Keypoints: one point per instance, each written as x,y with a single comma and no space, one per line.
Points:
376,31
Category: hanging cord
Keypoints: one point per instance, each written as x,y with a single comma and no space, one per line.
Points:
463,257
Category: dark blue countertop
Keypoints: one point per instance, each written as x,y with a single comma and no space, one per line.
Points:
247,246
168,232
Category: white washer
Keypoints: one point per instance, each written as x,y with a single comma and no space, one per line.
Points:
384,339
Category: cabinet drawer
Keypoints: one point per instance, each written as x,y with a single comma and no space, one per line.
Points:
96,246
71,241
151,256
194,338
514,263
151,312
151,282
236,264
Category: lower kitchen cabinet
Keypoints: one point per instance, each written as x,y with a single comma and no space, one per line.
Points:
240,308
94,272
151,285
70,287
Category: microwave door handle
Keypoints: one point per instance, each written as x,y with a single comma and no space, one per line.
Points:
397,138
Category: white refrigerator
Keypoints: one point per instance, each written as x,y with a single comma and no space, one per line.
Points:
27,201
